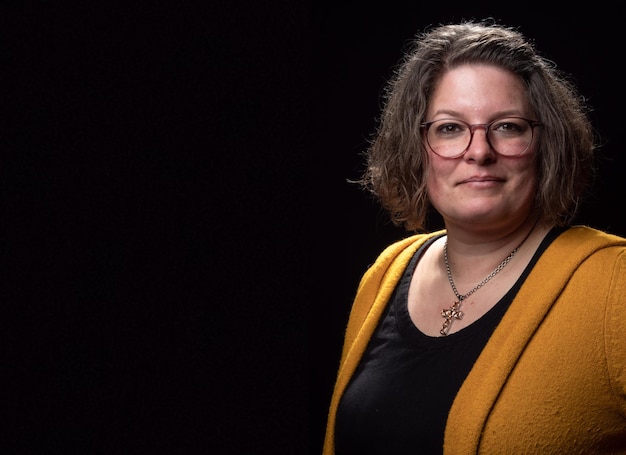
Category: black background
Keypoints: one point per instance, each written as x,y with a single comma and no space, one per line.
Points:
179,244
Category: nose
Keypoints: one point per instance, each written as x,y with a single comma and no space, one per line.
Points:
479,148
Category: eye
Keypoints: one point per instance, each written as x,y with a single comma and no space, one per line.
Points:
510,126
449,127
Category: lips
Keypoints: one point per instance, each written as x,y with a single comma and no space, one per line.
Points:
482,179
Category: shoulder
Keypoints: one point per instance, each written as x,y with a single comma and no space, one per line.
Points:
405,247
591,261
390,263
581,249
581,242
591,236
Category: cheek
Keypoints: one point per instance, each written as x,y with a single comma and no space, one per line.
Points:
528,183
436,176
437,171
523,186
527,173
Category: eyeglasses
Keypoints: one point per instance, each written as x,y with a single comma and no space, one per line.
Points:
451,138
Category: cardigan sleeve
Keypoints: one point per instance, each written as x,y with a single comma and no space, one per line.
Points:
615,338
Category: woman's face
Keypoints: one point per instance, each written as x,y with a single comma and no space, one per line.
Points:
481,187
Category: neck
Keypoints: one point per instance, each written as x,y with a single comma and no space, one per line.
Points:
471,258
483,241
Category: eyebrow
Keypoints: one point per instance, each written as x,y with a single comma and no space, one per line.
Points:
499,114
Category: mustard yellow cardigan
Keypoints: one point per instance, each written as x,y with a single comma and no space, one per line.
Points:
552,378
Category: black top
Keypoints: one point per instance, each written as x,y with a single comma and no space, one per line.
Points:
399,397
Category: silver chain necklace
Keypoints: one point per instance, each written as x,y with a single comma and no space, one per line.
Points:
454,312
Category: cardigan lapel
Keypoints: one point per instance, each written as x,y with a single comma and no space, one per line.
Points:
478,394
373,294
370,302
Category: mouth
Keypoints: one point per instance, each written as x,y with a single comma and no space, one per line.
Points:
482,181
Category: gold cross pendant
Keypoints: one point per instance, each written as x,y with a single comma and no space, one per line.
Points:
450,314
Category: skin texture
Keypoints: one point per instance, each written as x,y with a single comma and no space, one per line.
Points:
481,192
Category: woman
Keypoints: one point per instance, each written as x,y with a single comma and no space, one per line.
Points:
505,332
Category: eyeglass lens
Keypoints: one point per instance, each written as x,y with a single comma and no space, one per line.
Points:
508,136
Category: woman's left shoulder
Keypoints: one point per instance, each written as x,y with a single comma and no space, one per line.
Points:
588,238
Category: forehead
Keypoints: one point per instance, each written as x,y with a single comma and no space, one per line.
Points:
479,89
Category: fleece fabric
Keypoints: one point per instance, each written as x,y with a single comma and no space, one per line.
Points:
552,377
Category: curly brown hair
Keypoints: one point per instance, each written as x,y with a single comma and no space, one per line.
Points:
396,158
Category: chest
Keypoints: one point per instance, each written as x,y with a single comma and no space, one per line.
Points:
433,305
